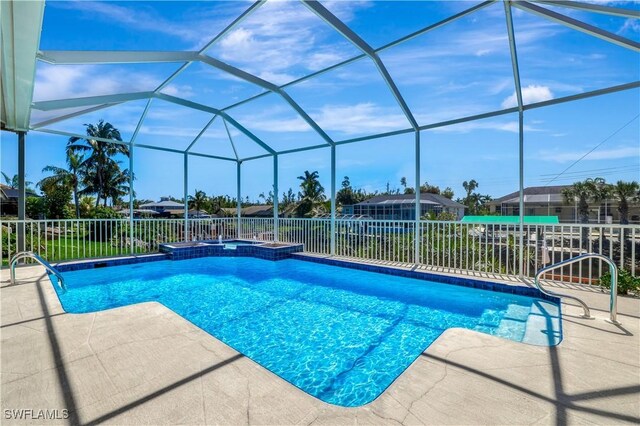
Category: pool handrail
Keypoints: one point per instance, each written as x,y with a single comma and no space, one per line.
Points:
613,269
41,261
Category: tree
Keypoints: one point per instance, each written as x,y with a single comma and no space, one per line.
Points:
470,186
583,192
429,189
344,196
403,183
100,161
56,199
311,192
198,200
267,199
87,206
476,203
625,192
448,193
72,177
116,183
13,181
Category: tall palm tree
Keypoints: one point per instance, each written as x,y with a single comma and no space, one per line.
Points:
470,186
198,200
311,189
73,176
311,192
101,154
625,192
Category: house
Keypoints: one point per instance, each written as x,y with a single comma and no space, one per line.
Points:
9,199
549,201
402,206
165,206
251,211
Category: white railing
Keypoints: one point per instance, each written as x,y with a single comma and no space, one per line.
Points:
261,229
315,234
487,248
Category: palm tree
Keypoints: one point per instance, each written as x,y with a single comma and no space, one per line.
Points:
198,200
311,188
583,192
469,200
116,183
73,176
625,192
12,182
470,186
311,192
100,155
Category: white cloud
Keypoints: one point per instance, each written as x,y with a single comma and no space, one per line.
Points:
603,154
74,81
198,26
284,40
630,26
362,118
530,94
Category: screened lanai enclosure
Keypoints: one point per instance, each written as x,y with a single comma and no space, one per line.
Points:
241,97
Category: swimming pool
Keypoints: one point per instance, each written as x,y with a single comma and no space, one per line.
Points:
341,335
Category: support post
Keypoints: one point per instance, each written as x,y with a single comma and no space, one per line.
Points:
416,231
238,198
185,181
275,199
22,191
333,201
131,242
521,192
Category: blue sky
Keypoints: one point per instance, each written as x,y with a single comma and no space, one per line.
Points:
460,69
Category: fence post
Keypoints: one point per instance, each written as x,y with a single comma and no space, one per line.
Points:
21,192
416,231
239,198
333,202
185,181
275,197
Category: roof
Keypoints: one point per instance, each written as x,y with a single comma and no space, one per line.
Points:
10,192
425,198
528,220
164,203
535,194
259,210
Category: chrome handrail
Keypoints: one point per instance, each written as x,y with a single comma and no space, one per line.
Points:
41,261
613,269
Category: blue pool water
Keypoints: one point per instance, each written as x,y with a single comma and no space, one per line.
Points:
342,335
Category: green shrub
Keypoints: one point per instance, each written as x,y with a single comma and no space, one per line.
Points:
626,282
35,207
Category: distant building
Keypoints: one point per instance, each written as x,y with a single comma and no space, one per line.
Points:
251,211
9,199
402,207
165,205
549,201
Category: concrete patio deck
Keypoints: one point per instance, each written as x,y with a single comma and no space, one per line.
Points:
144,364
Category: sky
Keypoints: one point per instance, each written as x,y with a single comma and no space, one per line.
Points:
460,69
